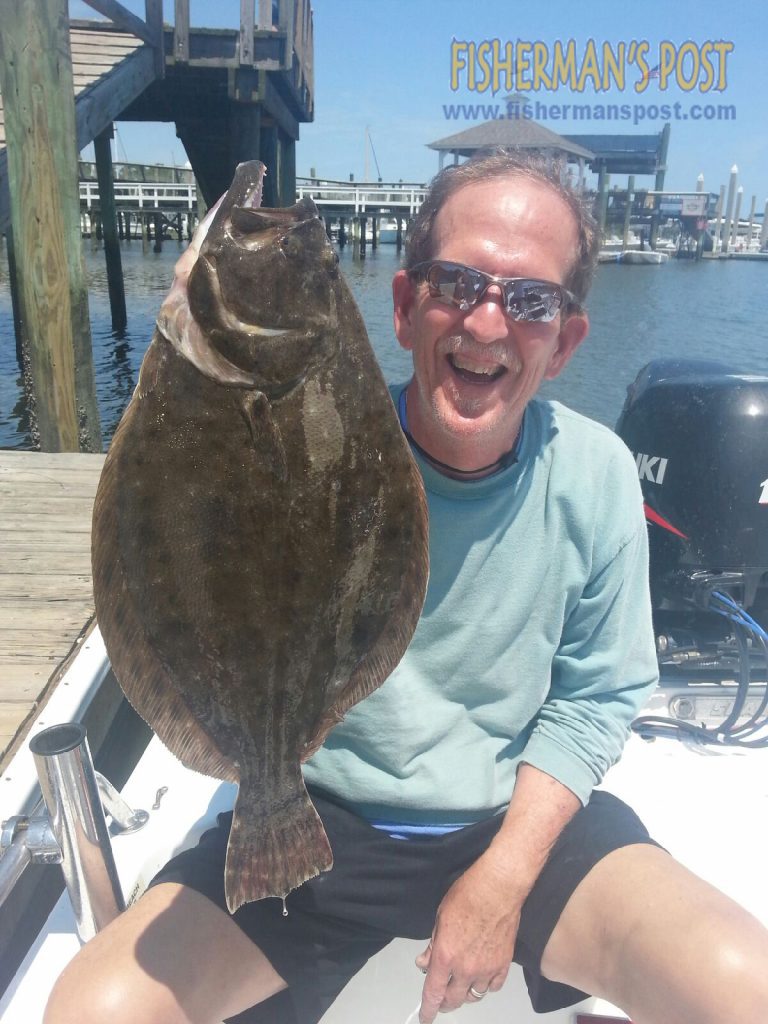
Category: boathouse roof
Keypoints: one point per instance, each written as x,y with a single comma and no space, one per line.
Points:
519,133
623,154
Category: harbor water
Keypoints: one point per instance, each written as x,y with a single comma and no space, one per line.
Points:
714,309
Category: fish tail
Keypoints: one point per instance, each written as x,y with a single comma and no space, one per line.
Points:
273,854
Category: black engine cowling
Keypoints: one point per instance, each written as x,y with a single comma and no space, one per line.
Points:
699,433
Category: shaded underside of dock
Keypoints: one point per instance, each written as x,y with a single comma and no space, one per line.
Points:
110,69
46,597
234,94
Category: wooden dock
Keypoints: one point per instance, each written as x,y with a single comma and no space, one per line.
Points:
46,598
110,69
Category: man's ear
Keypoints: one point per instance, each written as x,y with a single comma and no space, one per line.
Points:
572,333
403,298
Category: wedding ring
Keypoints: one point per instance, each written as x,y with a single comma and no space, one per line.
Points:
478,995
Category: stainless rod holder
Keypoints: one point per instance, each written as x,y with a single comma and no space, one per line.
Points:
71,794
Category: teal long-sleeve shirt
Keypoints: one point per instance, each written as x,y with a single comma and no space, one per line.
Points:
535,642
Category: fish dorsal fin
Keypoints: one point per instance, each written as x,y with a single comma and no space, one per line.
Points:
146,682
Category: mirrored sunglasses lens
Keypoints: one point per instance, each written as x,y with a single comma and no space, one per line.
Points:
538,303
455,285
442,283
469,285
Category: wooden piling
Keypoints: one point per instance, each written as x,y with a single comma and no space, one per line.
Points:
115,283
363,223
268,155
628,211
158,226
374,233
751,221
602,196
38,95
399,238
18,322
287,172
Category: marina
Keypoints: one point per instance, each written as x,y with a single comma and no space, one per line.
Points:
679,283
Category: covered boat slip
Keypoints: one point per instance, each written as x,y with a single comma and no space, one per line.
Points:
46,599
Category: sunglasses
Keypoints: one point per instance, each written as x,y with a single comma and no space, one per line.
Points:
524,299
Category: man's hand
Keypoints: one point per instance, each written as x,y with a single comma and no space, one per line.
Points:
474,936
473,940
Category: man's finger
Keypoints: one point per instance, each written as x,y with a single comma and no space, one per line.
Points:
456,992
422,960
477,990
433,993
498,980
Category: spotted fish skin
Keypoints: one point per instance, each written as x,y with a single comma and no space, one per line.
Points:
260,529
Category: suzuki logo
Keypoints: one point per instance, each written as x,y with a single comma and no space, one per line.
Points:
651,467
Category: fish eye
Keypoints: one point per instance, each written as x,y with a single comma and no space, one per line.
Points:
331,261
290,246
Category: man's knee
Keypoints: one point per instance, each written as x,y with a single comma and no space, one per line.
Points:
734,968
669,947
88,993
173,958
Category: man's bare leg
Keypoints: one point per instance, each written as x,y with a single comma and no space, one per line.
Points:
645,933
172,958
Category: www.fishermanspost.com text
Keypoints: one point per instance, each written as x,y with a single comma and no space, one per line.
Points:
637,113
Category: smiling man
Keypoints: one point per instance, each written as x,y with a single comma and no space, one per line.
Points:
458,798
476,368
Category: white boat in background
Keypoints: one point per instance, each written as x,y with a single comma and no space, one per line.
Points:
388,231
642,256
634,256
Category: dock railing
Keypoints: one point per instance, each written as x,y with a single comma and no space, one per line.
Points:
141,187
150,30
142,195
261,22
362,197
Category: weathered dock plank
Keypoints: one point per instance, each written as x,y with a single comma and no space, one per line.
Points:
46,597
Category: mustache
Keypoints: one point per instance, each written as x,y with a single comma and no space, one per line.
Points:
496,351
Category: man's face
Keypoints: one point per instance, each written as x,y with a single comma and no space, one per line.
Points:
475,371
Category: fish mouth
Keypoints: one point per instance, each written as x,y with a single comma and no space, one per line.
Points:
253,197
250,225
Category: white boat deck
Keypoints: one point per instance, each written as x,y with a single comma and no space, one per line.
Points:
706,805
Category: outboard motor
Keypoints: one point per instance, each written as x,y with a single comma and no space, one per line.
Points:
699,434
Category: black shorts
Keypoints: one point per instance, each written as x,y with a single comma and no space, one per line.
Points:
381,888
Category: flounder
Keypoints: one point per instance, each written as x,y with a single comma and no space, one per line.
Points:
260,528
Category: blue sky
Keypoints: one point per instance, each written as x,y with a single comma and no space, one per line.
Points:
385,66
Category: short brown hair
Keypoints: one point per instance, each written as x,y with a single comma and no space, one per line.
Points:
508,163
